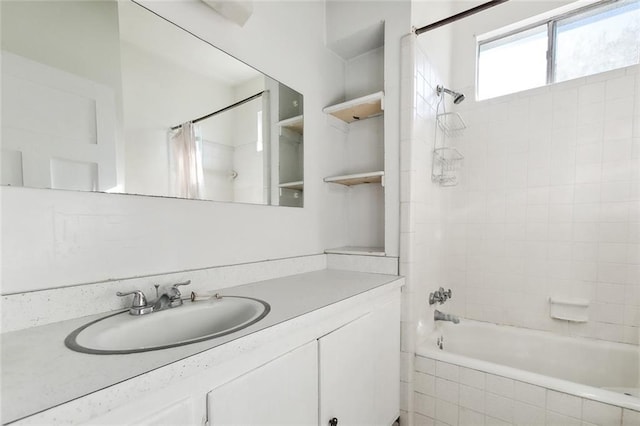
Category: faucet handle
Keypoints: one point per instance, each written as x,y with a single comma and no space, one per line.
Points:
182,283
447,293
174,288
139,299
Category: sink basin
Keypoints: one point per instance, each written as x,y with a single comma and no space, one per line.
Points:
192,322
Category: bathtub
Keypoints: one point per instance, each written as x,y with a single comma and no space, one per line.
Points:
487,373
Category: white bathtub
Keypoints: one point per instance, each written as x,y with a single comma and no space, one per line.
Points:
585,369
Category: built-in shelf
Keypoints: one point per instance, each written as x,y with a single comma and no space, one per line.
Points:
292,185
358,109
295,124
363,251
357,178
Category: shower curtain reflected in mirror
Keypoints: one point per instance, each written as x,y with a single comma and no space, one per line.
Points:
185,161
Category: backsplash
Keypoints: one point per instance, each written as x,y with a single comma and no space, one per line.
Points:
35,308
24,310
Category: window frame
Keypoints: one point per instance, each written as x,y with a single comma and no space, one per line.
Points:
551,23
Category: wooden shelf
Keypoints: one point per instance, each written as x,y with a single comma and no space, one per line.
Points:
295,124
358,109
363,251
357,178
298,185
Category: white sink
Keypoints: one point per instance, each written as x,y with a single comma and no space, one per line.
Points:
192,322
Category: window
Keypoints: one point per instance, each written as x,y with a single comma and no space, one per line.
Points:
593,39
513,63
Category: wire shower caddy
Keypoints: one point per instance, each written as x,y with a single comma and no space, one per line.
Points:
446,160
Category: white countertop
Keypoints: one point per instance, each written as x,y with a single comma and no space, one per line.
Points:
40,372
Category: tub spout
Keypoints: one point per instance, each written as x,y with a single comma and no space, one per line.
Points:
441,316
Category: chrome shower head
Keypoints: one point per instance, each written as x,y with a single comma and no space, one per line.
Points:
457,96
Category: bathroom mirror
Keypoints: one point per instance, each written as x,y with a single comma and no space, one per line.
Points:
107,96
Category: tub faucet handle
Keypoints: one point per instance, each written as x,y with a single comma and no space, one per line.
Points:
439,296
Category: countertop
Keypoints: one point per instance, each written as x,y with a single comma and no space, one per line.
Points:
39,372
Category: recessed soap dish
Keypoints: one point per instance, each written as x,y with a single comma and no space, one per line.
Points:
575,310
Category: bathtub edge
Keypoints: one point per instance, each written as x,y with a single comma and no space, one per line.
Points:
560,385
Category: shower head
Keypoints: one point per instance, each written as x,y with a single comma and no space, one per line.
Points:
457,96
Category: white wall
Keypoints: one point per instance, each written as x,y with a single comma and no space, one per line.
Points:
58,238
549,206
437,44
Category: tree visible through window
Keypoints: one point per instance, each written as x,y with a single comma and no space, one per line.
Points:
594,39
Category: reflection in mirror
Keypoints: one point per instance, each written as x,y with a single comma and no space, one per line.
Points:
107,96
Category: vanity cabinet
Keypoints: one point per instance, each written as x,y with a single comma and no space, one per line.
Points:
281,392
340,361
351,374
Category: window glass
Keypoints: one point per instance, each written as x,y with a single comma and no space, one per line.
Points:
586,41
601,40
514,63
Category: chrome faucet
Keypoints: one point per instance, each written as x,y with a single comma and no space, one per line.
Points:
169,299
441,316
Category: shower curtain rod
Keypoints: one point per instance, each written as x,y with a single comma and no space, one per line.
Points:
459,16
204,117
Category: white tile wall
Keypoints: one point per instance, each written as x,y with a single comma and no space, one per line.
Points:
548,205
422,204
479,398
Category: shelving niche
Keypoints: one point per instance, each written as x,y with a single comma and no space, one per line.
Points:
361,121
290,138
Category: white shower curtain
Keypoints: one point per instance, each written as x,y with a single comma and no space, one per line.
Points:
185,162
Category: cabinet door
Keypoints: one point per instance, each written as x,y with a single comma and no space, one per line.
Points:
346,374
281,392
386,330
360,369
